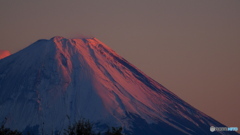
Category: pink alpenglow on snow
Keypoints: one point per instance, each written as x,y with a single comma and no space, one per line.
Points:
59,81
4,53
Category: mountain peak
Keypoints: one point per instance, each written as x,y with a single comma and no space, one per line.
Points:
79,40
61,37
57,37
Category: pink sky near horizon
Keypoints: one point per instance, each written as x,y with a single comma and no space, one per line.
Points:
4,53
190,47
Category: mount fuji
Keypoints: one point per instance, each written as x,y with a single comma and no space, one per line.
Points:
53,83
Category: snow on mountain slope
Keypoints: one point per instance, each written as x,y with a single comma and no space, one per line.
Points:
53,83
4,53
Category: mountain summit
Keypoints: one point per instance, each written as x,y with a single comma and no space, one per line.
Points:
53,83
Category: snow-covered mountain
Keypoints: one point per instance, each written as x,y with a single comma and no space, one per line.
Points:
53,83
4,53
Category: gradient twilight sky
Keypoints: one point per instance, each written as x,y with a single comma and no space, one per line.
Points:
191,47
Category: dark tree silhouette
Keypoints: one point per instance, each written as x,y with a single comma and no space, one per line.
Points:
82,127
115,131
8,131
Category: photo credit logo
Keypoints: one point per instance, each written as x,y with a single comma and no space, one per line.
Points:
212,128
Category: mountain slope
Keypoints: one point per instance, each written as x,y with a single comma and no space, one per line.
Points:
53,83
